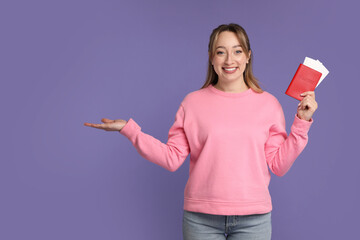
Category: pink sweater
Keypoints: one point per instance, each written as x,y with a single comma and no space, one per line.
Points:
232,139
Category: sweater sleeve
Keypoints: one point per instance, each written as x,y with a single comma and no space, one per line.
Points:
170,155
282,150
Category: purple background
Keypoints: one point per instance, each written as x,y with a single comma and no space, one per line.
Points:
64,63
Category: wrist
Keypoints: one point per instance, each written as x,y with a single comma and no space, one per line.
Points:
309,120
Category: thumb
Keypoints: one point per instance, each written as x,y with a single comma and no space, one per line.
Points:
106,120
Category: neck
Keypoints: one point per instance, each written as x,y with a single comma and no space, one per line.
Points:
235,87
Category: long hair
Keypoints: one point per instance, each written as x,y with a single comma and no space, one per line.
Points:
249,78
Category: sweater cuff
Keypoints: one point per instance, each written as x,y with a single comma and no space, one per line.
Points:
131,129
301,126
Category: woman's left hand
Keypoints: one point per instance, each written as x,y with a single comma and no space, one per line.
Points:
307,106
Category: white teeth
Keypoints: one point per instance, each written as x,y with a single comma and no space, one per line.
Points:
229,69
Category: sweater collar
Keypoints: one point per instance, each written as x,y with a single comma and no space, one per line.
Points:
229,94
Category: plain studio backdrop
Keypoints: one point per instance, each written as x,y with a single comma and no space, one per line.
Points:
64,63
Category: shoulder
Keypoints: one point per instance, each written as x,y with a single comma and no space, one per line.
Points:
268,96
194,96
268,100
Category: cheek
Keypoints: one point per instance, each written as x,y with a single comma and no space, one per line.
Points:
216,61
216,64
242,63
216,69
242,60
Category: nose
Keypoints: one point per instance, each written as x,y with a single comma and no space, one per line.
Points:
229,59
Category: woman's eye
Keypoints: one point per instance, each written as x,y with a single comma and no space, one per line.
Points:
238,51
219,52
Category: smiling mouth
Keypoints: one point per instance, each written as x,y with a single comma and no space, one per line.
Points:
229,70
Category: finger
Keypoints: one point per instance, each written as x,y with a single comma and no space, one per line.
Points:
303,107
306,100
106,120
303,103
99,126
308,104
313,105
308,93
309,99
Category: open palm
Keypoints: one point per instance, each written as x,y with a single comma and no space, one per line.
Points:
108,124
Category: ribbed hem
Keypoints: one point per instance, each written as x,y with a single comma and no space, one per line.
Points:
218,208
130,129
301,126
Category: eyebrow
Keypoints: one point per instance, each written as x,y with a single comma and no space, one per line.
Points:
224,47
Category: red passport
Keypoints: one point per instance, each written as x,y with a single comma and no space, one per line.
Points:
305,79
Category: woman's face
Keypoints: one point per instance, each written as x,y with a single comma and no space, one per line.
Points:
229,60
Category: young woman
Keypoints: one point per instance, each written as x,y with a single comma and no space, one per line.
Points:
234,131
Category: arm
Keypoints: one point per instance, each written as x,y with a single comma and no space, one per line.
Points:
170,155
282,150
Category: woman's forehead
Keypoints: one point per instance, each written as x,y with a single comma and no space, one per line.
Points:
226,39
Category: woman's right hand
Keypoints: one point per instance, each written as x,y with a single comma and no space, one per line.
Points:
108,124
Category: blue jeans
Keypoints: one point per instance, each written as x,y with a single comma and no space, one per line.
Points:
201,226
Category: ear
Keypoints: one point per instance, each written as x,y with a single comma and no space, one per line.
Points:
249,56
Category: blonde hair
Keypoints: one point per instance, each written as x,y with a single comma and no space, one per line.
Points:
249,78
